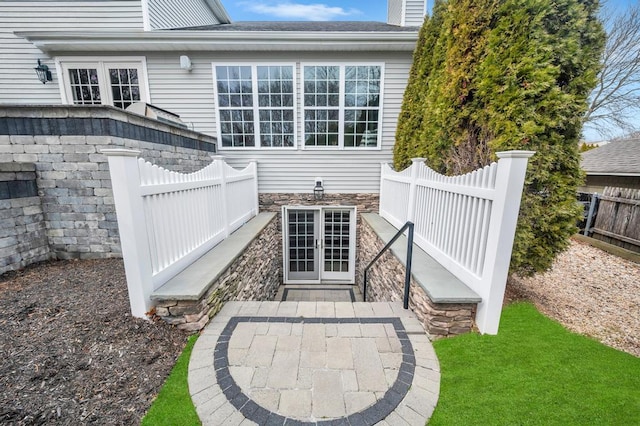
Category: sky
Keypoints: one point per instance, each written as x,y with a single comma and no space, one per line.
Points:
330,10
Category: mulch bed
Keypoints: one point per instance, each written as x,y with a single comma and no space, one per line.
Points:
70,351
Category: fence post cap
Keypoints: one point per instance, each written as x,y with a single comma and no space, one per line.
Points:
217,157
120,152
418,159
515,154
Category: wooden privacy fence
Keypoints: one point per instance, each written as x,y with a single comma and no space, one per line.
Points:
618,218
467,223
167,220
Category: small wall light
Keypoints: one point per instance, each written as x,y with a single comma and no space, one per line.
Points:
318,190
185,63
43,72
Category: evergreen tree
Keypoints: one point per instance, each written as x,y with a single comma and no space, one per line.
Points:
516,75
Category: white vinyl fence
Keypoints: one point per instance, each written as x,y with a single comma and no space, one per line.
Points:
467,223
167,220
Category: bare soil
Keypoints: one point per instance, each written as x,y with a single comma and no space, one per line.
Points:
70,352
590,292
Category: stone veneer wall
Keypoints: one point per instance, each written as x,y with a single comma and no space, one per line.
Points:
64,143
23,238
254,275
386,283
364,203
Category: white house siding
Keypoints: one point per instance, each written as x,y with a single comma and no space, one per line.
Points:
179,13
18,81
190,94
414,13
394,12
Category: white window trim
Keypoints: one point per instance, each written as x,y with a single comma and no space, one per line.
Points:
340,146
63,63
256,107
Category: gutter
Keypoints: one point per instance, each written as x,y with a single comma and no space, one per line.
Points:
189,40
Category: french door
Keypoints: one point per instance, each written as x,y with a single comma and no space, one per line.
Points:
319,244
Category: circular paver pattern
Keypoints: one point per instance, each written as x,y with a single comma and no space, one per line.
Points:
306,363
310,371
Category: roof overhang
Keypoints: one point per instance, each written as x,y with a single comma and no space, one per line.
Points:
55,42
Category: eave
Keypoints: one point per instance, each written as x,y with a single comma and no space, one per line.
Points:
185,40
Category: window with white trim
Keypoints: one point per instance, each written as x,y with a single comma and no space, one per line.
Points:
256,105
104,82
341,105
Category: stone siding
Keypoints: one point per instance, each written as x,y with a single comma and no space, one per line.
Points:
23,238
364,203
64,143
255,275
386,283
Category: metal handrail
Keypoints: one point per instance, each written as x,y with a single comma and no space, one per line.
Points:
407,278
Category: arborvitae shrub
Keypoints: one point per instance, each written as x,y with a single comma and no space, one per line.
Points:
497,75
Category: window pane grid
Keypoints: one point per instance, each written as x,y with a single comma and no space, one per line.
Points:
301,241
85,87
359,99
336,241
275,101
362,103
125,88
235,105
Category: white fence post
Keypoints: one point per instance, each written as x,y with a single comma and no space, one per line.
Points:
411,209
221,166
512,168
255,186
125,180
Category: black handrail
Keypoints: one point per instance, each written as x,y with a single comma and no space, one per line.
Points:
407,278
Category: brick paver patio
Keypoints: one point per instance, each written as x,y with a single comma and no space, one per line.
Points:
295,363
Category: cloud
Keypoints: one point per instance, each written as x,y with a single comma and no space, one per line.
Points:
307,12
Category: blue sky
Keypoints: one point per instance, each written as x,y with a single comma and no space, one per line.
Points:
330,10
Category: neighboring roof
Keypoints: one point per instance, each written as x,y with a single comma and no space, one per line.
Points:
305,26
619,158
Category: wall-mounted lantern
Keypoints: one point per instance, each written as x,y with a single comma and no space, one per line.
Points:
43,72
318,190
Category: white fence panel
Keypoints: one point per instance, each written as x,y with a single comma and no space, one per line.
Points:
167,220
467,223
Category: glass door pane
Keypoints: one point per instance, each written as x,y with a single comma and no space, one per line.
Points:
301,244
337,250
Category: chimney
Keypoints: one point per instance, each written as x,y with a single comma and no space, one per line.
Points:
406,13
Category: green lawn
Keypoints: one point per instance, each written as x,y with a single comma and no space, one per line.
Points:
173,406
534,372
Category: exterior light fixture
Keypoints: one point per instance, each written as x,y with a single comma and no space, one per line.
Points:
318,190
185,63
43,72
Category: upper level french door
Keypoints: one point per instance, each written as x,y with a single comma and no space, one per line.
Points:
319,244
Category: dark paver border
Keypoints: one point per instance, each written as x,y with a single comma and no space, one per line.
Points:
371,415
285,293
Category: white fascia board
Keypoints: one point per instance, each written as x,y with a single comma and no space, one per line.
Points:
60,42
218,11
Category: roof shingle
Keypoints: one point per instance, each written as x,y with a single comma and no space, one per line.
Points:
616,157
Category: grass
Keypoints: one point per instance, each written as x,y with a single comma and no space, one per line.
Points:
535,372
173,406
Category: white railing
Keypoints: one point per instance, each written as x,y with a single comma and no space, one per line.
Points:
167,220
467,223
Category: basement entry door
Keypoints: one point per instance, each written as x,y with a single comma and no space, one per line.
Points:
319,244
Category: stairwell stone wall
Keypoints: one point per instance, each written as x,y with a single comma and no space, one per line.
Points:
386,283
254,275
